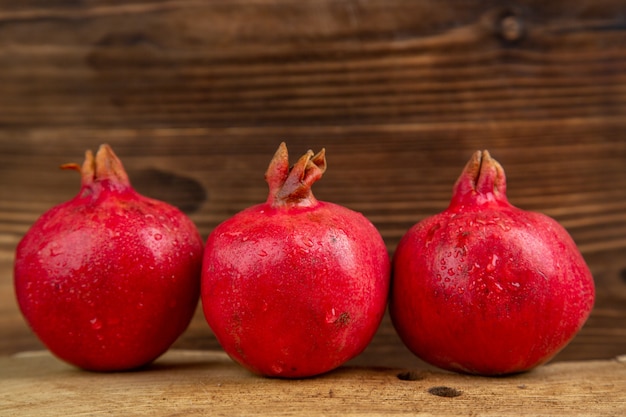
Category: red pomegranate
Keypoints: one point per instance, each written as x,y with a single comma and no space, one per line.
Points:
485,287
110,279
294,287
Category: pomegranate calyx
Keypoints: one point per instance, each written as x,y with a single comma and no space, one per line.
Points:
291,186
105,167
482,181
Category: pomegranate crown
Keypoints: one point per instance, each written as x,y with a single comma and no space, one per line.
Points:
291,186
105,167
482,181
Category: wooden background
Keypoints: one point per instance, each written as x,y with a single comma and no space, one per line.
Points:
195,96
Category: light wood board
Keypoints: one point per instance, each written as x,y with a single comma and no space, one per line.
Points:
195,383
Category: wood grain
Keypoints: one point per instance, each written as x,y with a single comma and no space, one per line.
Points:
195,97
182,63
193,383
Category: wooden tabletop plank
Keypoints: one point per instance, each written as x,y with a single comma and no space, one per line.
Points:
199,383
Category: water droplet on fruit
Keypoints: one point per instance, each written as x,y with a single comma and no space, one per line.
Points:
331,316
277,369
492,265
308,242
96,324
451,272
158,236
262,253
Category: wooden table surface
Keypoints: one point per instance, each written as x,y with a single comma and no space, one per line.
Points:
200,383
195,97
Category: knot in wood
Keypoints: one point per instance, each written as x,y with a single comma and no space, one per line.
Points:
511,27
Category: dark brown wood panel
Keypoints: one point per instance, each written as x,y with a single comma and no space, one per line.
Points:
189,63
195,97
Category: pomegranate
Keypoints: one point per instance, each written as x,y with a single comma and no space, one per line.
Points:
294,287
109,279
485,287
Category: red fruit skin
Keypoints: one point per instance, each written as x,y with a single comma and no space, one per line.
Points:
295,291
487,288
110,279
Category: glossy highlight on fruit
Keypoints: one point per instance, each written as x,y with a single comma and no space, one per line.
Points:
485,287
110,279
294,287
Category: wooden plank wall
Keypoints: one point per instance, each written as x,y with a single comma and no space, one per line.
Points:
195,96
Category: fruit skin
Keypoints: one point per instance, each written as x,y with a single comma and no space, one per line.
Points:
485,287
110,279
294,287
